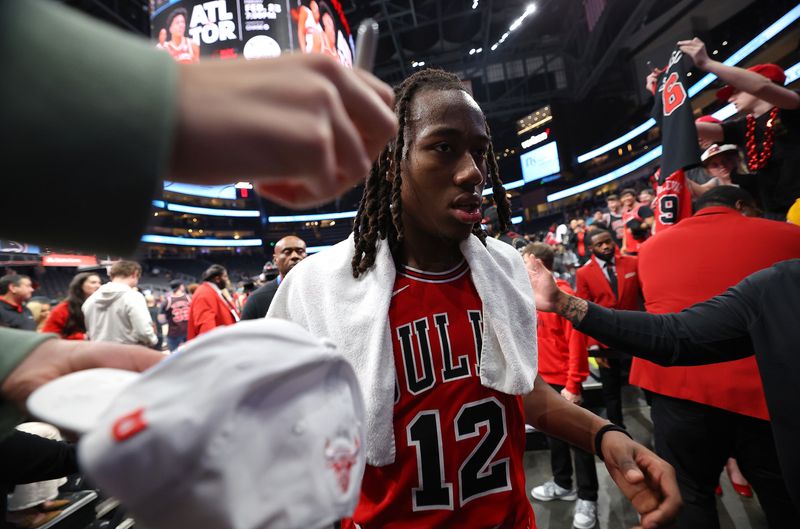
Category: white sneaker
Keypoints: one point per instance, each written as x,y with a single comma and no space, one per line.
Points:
549,491
585,514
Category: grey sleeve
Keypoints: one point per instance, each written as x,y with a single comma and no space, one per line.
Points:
141,321
87,117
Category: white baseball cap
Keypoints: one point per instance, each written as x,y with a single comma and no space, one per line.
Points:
255,425
717,149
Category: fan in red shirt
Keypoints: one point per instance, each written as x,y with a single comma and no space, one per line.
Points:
66,318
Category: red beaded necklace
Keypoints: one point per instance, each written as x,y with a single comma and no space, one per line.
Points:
757,160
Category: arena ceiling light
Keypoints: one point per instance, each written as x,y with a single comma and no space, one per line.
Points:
188,241
738,56
196,210
308,218
608,177
315,249
529,9
227,192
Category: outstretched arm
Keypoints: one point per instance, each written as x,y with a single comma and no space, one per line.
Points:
739,78
646,480
709,332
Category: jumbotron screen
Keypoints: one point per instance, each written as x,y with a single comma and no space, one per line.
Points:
254,29
540,162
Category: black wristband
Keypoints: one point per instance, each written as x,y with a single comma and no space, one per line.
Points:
598,438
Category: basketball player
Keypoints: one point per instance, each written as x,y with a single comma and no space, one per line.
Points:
408,284
179,46
309,30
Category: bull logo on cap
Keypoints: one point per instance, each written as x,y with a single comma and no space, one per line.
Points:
341,454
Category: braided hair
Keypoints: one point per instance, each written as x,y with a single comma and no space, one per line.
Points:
380,210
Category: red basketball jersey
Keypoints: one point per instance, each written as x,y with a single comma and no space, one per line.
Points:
673,201
459,445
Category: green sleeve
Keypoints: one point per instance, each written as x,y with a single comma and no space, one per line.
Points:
87,116
15,345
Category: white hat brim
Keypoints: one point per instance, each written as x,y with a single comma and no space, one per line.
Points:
75,402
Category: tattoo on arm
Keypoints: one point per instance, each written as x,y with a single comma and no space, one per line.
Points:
572,308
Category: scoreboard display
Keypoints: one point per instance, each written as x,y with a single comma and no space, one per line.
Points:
254,29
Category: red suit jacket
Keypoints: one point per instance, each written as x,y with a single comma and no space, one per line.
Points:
593,285
698,258
209,310
562,352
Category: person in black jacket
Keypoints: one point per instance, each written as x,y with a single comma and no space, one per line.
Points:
757,316
15,290
288,252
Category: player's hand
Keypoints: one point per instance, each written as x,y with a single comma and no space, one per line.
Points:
644,478
55,358
602,361
303,128
696,49
572,397
544,285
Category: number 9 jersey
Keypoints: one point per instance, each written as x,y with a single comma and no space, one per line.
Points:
460,445
673,201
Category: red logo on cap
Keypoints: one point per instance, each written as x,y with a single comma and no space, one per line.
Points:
342,455
129,425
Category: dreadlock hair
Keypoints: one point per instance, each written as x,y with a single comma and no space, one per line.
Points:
380,210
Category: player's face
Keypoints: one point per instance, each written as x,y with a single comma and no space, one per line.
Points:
613,204
90,285
645,197
603,246
744,102
444,168
178,26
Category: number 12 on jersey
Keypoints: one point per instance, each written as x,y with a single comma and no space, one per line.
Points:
479,475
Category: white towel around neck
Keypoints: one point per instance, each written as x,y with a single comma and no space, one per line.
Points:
322,295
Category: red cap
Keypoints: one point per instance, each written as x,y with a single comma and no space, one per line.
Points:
773,72
707,119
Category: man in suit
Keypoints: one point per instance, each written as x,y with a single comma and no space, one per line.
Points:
288,252
704,414
212,305
611,280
